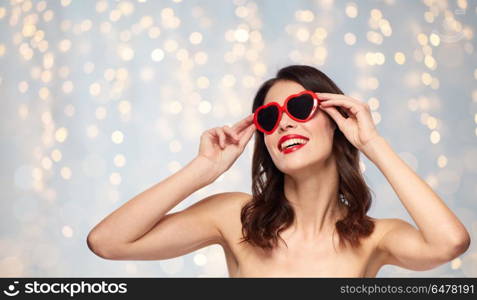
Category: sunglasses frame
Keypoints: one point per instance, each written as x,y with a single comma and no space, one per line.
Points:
283,108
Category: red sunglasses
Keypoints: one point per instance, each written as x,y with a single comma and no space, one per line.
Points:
300,107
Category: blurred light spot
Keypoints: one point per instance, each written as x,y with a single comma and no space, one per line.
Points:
101,6
170,45
131,268
202,82
373,103
195,38
23,111
92,131
435,40
376,117
66,173
44,93
456,263
65,3
88,67
442,161
46,163
154,32
431,122
422,39
56,155
67,231
175,146
200,259
23,87
115,178
400,58
119,160
117,137
124,107
435,137
157,55
229,81
205,107
374,37
304,16
173,166
172,266
125,52
241,35
95,89
350,38
303,34
241,12
432,180
100,113
175,107
147,74
201,58
61,134
351,10
11,266
426,78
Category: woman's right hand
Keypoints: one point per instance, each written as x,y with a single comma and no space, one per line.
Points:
221,146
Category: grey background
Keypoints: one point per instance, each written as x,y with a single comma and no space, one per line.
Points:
72,73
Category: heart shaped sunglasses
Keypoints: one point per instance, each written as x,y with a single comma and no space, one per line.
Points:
300,107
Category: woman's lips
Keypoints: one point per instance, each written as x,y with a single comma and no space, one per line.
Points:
293,148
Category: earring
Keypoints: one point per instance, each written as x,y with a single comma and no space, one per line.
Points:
343,200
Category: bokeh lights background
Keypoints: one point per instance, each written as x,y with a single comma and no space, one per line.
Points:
102,99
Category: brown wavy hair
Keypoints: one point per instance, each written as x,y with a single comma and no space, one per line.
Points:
269,212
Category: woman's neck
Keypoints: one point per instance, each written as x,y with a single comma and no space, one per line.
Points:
313,195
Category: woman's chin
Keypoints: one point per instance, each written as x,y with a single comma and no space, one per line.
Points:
290,164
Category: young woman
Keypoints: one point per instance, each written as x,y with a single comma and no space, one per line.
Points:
306,216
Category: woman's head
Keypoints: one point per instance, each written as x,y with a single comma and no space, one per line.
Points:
318,133
269,212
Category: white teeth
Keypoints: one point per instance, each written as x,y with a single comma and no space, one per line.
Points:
291,142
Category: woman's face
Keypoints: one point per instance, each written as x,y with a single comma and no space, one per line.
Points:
318,132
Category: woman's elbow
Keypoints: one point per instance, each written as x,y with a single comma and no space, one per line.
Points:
99,246
463,244
459,246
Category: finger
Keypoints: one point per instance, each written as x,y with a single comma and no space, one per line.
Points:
242,124
351,106
247,135
335,115
359,112
328,96
221,135
232,134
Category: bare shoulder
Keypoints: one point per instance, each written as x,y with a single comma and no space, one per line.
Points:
227,203
224,210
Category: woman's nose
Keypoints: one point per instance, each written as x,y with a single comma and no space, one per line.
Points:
286,122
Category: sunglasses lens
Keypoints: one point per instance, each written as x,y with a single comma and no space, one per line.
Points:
267,117
300,107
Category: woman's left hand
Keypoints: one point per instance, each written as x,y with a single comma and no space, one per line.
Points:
359,127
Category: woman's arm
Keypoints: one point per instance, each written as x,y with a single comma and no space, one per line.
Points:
441,236
113,237
140,229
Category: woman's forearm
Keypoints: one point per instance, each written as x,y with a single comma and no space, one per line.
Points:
437,223
137,216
